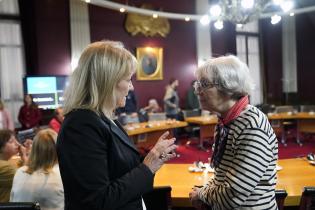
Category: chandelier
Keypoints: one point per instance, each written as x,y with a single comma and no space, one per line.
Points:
245,11
238,12
241,11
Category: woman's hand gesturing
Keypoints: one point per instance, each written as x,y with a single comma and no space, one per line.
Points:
163,151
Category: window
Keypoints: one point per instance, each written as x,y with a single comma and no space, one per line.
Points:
247,44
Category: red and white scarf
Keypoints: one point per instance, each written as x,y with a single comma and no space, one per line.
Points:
221,130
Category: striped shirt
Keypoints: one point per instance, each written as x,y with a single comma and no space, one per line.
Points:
246,176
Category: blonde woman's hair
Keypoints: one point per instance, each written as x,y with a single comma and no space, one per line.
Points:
43,154
101,67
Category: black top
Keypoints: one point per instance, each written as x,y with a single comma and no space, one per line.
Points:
99,165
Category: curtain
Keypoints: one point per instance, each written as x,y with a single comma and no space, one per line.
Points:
255,71
9,7
203,34
11,60
80,29
289,55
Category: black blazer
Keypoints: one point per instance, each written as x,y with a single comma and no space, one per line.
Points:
99,165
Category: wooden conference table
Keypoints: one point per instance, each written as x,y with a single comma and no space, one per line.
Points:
305,122
207,125
296,174
147,133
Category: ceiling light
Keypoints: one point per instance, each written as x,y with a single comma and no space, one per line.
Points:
205,20
122,10
247,4
277,2
218,24
229,10
242,11
187,19
155,16
287,6
215,10
275,19
292,14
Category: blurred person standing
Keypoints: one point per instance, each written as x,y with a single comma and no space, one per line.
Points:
245,151
40,181
99,165
29,114
6,121
171,99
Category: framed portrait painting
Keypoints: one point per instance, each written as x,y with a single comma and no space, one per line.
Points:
150,63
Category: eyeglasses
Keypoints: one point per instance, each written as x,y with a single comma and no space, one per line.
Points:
202,85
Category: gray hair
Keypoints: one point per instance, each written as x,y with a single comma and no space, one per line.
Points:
101,67
228,74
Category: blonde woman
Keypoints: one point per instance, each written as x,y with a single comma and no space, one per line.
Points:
100,166
40,180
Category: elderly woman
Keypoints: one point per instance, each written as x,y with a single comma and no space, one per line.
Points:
100,166
245,150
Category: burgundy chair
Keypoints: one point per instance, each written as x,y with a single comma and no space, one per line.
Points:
159,198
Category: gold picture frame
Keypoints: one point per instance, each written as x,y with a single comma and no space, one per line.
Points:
150,63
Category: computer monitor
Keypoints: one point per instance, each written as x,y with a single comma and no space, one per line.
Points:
47,91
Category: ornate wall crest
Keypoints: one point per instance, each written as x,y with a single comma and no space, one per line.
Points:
147,25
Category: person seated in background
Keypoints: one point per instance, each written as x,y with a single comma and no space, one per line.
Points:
192,101
40,180
6,121
9,147
29,114
153,106
56,121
